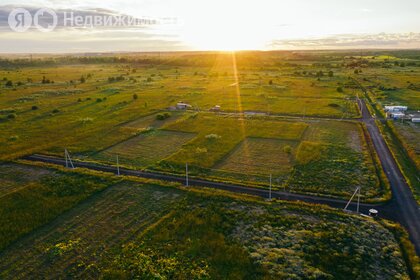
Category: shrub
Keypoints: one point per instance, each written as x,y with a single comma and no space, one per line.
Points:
9,84
11,116
35,108
213,136
340,89
135,96
333,105
13,138
287,149
55,111
201,150
163,116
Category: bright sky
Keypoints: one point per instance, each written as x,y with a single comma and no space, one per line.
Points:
231,24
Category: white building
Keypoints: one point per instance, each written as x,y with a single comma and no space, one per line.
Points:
397,115
182,106
415,120
395,109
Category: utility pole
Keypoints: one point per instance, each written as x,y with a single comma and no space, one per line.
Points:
269,196
358,200
186,175
118,166
68,159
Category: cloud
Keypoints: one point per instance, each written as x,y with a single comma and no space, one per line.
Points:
382,40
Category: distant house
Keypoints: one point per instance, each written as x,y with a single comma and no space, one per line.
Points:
395,109
216,108
396,116
182,106
395,112
415,120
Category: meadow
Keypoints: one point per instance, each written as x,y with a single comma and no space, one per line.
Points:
34,196
143,229
101,108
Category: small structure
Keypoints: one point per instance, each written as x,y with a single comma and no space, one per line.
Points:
216,108
373,212
396,116
415,120
395,109
182,106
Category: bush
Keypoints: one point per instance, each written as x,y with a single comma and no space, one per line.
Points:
35,108
9,84
135,96
163,116
213,136
13,138
340,89
287,149
55,111
11,116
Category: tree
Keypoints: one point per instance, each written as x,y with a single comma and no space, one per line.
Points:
9,84
331,74
270,82
135,96
340,89
82,79
34,107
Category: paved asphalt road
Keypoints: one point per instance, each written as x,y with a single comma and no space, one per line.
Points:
406,207
402,208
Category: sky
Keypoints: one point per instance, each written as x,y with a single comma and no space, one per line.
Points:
219,25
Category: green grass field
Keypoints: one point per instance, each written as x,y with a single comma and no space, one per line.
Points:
146,149
111,112
140,229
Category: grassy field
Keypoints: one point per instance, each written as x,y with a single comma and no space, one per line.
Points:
260,156
37,196
146,149
100,107
48,106
143,230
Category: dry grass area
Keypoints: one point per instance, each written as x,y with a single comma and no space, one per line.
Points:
147,148
260,156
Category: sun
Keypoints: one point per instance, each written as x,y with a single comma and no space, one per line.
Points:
225,28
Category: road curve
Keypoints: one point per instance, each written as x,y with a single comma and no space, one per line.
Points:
407,209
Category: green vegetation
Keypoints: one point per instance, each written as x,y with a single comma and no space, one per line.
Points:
144,230
38,196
